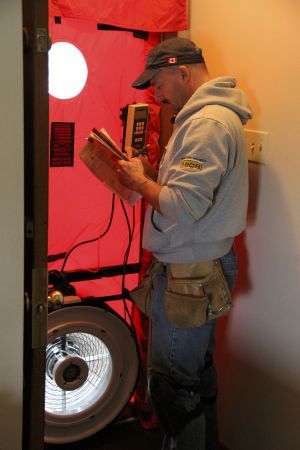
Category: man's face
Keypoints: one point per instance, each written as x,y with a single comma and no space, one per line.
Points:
169,88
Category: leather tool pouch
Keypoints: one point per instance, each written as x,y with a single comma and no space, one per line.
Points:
142,295
196,293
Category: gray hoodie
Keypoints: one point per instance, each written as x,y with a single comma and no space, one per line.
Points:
204,171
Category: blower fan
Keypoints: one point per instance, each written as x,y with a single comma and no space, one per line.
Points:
92,366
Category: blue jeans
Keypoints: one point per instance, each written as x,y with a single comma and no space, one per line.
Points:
183,380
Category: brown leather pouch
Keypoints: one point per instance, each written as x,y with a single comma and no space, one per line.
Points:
196,293
142,295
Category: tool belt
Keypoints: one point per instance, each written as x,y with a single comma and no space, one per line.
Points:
194,294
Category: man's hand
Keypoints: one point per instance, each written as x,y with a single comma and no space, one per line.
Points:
148,169
132,175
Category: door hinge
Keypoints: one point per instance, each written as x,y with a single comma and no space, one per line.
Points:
28,228
43,42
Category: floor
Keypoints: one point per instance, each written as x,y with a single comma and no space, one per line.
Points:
127,435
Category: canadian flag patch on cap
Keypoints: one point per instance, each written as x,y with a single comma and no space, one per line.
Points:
172,60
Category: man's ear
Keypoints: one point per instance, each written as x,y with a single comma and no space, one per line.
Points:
184,72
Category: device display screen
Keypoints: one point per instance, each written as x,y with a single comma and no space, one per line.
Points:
140,114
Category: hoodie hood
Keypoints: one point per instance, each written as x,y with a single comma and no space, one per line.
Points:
221,91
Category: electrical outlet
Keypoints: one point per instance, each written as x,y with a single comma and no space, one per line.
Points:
257,145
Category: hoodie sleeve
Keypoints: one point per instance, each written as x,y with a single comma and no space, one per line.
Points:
195,170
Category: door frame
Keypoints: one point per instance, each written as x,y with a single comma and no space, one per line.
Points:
36,42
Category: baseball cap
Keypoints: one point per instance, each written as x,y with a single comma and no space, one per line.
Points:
171,52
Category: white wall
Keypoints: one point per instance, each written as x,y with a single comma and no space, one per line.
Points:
259,356
11,236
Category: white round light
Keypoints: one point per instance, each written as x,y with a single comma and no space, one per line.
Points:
67,70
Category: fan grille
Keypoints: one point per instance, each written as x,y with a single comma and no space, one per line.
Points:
95,354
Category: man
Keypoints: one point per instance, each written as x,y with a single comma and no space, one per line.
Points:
198,205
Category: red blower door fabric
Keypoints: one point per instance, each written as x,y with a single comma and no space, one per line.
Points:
154,15
79,205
